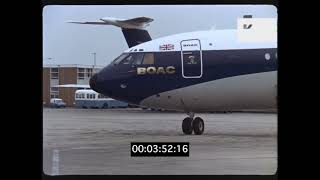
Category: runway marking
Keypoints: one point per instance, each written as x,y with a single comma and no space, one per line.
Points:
55,162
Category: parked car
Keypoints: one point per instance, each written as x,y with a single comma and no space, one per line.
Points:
57,103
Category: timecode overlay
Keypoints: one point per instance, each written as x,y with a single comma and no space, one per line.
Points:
153,149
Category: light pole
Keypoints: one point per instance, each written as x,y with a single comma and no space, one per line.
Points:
49,58
94,62
94,59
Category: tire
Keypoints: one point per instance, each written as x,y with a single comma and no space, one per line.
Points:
198,126
187,126
105,106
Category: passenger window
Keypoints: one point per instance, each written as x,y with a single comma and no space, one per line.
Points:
148,58
93,96
87,96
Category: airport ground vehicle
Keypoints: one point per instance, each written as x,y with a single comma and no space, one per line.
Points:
87,98
57,103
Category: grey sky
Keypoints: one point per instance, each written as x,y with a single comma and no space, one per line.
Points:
69,43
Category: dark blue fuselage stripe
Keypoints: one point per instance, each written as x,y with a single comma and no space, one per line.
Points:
217,64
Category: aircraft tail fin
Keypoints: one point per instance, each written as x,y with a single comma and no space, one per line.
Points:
133,29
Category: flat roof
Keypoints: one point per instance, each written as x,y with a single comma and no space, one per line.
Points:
71,65
73,85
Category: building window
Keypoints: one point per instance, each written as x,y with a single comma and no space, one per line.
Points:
93,96
54,74
81,73
54,70
54,89
54,95
89,72
54,92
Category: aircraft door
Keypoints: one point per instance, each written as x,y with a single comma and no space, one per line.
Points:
191,58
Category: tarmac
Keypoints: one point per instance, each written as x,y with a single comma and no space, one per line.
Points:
97,142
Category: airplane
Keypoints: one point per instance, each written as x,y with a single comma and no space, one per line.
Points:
193,72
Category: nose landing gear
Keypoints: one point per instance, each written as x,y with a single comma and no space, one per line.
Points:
198,126
187,125
190,124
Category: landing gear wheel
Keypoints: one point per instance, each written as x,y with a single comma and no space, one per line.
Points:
187,125
198,126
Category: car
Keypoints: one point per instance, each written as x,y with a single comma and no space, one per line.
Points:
57,103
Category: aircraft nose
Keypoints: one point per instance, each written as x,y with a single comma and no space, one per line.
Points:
93,82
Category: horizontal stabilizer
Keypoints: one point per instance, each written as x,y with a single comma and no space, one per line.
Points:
132,29
134,23
94,23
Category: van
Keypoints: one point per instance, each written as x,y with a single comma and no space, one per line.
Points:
57,103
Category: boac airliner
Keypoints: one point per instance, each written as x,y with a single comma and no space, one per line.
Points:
191,72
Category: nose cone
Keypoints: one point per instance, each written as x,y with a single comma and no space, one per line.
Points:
93,82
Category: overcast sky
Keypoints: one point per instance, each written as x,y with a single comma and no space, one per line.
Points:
67,43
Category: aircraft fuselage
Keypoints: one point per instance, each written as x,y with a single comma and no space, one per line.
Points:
194,72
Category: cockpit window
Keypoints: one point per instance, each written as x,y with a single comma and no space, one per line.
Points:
128,59
134,58
120,58
148,58
138,58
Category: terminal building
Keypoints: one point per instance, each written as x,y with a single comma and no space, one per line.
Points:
73,74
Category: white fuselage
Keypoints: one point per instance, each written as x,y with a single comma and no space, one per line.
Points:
253,91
